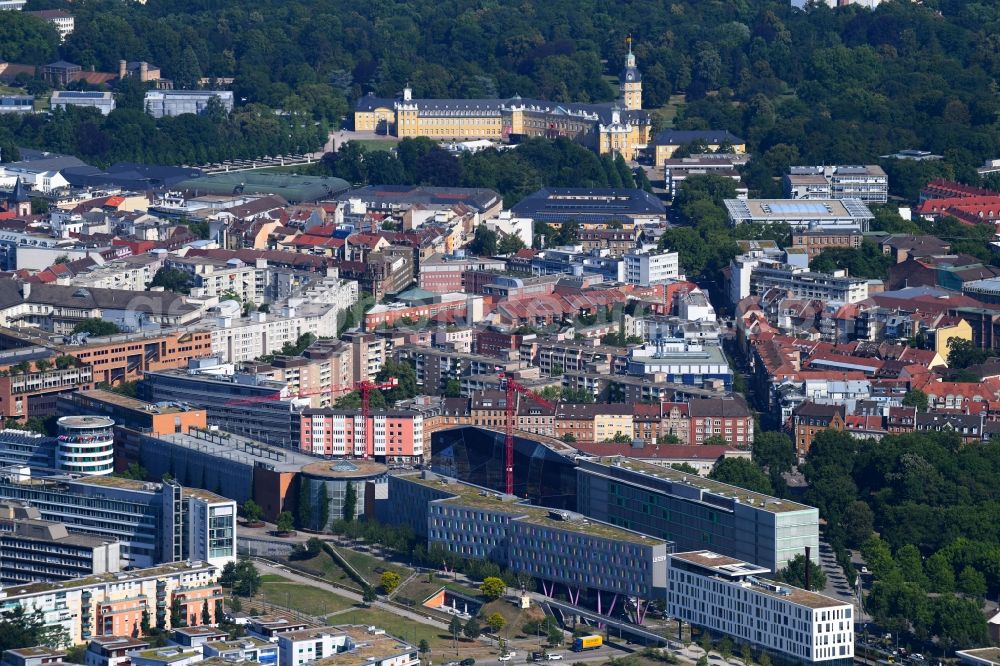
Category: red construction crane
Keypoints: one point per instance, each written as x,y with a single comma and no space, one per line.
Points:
513,388
365,387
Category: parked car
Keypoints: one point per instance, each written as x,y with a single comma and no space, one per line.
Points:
504,657
555,657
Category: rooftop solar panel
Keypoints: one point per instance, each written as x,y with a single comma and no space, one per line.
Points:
799,207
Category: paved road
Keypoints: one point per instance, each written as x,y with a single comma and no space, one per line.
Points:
837,585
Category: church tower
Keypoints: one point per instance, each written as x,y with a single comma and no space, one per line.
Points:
18,200
630,81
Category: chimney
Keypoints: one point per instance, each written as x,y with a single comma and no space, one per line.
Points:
25,290
808,571
122,69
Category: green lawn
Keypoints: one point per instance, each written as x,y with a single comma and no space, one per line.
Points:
302,598
669,110
371,567
413,631
377,144
323,566
516,617
418,589
302,169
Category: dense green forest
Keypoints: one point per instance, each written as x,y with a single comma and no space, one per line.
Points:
513,173
924,511
822,86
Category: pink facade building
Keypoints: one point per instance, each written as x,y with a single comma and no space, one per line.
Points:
397,436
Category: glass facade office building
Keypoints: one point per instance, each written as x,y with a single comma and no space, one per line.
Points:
476,455
155,522
697,513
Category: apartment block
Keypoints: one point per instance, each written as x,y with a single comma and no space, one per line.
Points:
442,309
112,650
729,418
33,550
39,655
34,393
801,283
442,273
307,646
236,339
434,367
368,353
323,372
347,645
553,357
168,655
728,596
695,512
211,278
113,604
394,435
651,268
246,649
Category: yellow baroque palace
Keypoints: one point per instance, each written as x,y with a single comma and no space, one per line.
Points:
615,127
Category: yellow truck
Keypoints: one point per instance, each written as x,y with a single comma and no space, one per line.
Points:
582,643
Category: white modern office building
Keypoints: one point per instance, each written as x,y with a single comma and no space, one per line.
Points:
764,268
651,268
834,214
868,4
161,103
102,101
798,282
86,445
729,596
17,103
154,522
866,182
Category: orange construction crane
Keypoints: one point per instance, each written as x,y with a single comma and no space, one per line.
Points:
513,389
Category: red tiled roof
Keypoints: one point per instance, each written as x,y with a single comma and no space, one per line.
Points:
366,240
322,230
940,188
309,240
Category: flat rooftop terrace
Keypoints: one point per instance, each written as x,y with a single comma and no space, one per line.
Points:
745,574
742,495
490,500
